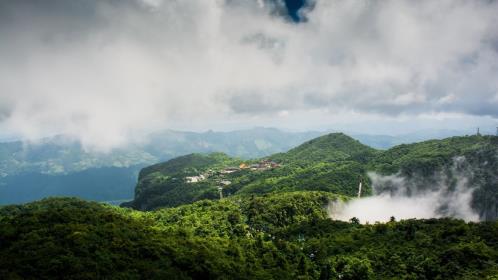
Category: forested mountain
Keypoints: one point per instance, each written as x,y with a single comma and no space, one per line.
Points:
59,162
334,163
276,236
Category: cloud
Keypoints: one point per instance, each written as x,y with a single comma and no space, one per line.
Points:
105,71
447,193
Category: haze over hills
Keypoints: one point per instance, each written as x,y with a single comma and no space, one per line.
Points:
62,155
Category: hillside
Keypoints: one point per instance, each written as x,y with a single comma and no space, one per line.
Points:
333,163
427,155
277,236
332,147
64,167
429,164
165,184
336,163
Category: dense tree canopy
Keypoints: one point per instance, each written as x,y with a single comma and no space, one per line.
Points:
271,224
278,236
334,163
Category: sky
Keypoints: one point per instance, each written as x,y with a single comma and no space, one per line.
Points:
106,72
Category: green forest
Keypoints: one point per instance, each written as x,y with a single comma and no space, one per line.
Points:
333,163
275,236
271,220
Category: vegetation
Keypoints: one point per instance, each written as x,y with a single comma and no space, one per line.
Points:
333,163
332,147
424,157
271,224
273,236
164,184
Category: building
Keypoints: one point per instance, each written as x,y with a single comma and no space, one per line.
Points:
195,179
225,182
229,170
243,166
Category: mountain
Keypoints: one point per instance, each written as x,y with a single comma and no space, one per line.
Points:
332,147
333,163
30,171
61,155
60,163
250,143
274,236
385,142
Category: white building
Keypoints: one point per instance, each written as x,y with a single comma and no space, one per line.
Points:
195,179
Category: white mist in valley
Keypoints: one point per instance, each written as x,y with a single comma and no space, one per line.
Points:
449,195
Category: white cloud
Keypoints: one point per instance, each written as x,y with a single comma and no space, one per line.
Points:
106,70
445,194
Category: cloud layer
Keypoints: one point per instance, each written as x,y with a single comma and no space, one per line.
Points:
447,193
104,71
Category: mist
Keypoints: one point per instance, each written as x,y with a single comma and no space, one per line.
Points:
449,194
105,72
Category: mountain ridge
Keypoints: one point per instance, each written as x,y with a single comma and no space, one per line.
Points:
335,163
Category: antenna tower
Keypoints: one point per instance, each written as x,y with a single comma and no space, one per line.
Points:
220,189
359,189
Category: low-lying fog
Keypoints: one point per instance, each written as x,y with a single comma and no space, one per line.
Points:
403,198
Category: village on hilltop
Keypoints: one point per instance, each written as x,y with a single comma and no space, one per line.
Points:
262,165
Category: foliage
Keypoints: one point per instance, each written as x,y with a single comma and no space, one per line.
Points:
334,163
164,184
332,147
274,236
426,156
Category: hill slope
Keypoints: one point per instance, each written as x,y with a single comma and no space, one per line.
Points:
336,163
276,236
332,147
472,160
165,184
333,163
